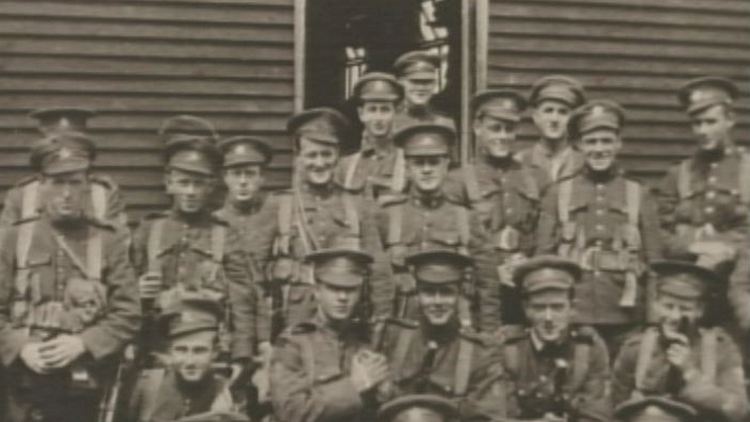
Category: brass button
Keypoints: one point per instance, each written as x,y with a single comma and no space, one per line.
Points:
710,194
599,227
712,180
709,210
599,186
599,211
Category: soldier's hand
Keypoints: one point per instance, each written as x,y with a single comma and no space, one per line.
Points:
62,350
678,355
149,286
368,370
31,357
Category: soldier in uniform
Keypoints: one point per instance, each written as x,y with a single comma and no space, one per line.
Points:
655,409
188,252
323,369
704,201
418,408
426,218
70,301
189,385
434,354
22,201
553,99
503,191
318,213
607,223
553,371
377,167
417,71
680,357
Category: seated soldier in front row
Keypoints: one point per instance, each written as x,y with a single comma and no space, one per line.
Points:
552,371
189,385
695,365
435,354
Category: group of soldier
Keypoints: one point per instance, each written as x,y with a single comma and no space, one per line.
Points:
387,285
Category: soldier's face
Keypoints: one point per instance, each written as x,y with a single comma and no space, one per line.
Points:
712,127
549,313
600,148
377,117
438,301
243,182
419,92
551,118
496,136
671,310
191,355
190,192
65,194
427,172
318,161
336,302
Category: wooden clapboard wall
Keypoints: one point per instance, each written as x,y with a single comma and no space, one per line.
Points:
138,62
637,52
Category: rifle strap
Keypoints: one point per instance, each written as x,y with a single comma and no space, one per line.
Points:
463,366
300,219
633,201
683,179
395,217
29,196
581,358
398,180
218,240
708,355
563,200
94,254
512,362
405,339
85,269
153,247
150,393
351,171
352,216
744,178
532,187
646,350
284,221
99,201
308,357
464,231
23,247
472,184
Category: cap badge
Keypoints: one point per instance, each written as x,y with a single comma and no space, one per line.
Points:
64,153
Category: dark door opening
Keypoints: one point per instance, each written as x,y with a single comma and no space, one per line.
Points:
345,39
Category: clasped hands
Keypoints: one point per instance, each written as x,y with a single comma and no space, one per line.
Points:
57,353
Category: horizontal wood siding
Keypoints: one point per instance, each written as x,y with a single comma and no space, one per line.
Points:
637,52
138,62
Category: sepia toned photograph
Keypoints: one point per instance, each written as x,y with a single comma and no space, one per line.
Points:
375,211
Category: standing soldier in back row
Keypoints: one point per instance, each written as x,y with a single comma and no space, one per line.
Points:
23,201
553,99
418,73
426,218
187,252
505,193
69,298
705,200
378,167
607,223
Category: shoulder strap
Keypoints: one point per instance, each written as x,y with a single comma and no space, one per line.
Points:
472,185
683,179
532,187
308,357
563,200
23,246
99,200
512,362
150,393
395,217
708,355
463,366
218,240
153,248
284,222
29,196
352,170
645,351
633,201
94,254
744,175
464,232
581,357
398,181
405,339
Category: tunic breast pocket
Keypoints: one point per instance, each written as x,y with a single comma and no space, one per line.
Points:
41,277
